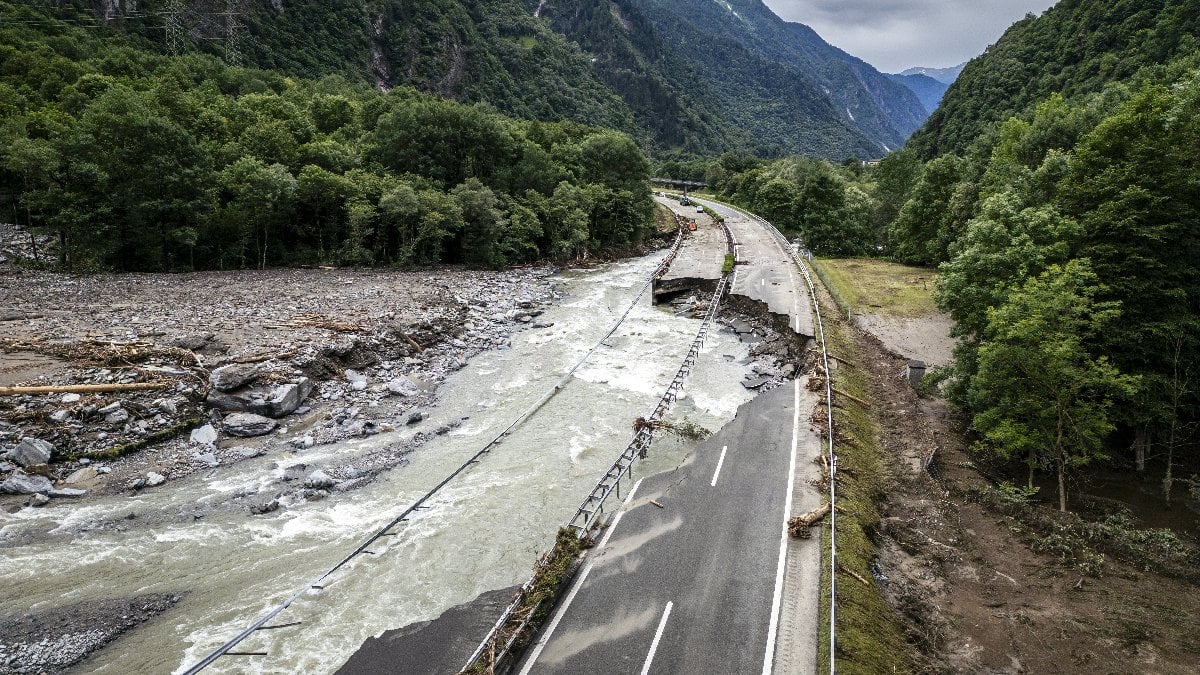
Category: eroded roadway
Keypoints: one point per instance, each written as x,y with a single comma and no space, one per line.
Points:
696,573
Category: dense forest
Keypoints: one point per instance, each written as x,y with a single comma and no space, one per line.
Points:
1066,235
140,161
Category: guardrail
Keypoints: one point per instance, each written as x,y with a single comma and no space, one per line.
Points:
794,251
497,645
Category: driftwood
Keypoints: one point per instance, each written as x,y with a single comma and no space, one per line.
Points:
414,343
259,358
798,526
856,399
84,388
856,575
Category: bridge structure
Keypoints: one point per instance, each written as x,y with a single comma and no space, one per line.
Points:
678,184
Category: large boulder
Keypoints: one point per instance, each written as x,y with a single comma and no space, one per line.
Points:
278,401
31,451
21,483
233,376
402,386
249,424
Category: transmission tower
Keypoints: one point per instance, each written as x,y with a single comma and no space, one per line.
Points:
233,38
176,35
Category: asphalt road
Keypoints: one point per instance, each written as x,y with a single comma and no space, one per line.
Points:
696,585
765,271
703,255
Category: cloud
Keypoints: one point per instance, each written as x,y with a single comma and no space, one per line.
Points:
896,34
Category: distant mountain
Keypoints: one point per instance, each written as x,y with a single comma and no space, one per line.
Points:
946,76
751,57
681,76
928,90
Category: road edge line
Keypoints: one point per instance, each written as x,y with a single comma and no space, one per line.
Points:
777,599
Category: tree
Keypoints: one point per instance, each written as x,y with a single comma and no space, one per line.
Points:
1039,392
484,223
922,233
260,197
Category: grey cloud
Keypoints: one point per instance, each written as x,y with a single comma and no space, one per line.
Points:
896,34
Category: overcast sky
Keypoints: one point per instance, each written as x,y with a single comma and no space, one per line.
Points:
896,34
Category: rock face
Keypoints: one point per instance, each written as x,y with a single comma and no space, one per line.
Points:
31,451
233,376
21,483
249,424
275,402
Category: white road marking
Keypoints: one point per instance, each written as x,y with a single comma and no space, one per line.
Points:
719,463
541,643
773,628
657,636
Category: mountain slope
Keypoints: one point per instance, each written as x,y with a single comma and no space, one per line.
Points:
946,76
1075,47
928,90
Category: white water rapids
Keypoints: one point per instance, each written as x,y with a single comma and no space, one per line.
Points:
482,532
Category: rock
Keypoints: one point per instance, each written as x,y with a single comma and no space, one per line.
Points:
358,385
402,386
277,401
304,442
70,398
31,451
167,406
249,424
205,435
67,493
204,343
21,483
247,452
5,467
319,480
741,327
119,416
39,499
207,459
155,479
353,376
264,507
415,417
755,383
110,408
788,370
60,416
83,475
233,376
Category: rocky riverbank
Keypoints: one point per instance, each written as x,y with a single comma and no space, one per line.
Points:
186,373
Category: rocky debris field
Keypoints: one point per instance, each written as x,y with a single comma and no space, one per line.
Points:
145,379
59,638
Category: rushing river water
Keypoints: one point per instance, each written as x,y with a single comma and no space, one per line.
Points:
482,532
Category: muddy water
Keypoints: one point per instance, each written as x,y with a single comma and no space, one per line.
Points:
481,533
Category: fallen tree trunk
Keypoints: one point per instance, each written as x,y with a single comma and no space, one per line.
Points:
798,526
84,388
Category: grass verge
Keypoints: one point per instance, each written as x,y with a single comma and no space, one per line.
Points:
870,635
878,286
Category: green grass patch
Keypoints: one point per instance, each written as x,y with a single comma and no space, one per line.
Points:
870,636
728,266
160,435
527,42
878,286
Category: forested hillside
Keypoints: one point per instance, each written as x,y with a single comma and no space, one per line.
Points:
139,161
1058,191
1075,48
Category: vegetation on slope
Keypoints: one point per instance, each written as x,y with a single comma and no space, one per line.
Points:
137,161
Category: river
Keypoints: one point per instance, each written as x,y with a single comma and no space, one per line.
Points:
482,532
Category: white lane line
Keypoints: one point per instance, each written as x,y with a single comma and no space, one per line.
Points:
719,463
773,628
657,636
541,643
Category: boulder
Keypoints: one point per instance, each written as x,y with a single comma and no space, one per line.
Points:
31,451
205,435
155,479
415,418
264,507
70,398
319,480
39,499
277,401
233,376
21,483
249,424
83,475
118,416
402,386
207,459
110,408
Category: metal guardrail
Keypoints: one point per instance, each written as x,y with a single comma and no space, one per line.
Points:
592,506
385,531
